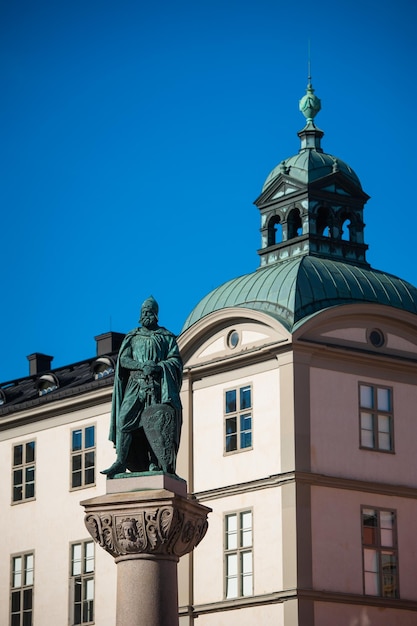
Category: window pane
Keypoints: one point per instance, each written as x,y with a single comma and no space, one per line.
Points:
231,532
27,599
371,572
76,560
89,557
371,584
17,571
76,440
246,440
18,455
384,441
367,439
30,452
89,459
231,523
76,462
231,401
245,431
389,575
231,588
29,569
89,477
17,477
384,432
89,589
27,619
247,563
230,425
366,397
30,474
387,527
245,398
231,576
384,399
370,560
16,602
17,494
231,560
76,479
231,540
30,490
78,590
246,529
369,524
89,437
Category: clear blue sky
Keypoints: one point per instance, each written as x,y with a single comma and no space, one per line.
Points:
136,135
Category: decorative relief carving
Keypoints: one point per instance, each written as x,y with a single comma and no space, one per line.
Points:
170,530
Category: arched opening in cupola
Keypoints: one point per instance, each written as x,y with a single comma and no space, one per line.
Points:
323,223
295,227
274,230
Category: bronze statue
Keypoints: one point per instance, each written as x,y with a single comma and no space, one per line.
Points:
146,415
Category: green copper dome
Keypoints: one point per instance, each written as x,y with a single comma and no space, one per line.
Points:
309,165
294,290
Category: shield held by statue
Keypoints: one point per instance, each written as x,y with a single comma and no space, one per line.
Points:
159,424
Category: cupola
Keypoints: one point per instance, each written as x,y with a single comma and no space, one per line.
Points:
312,203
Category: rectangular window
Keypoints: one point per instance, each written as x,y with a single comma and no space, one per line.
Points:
21,592
82,582
238,555
83,457
376,417
23,472
379,539
238,419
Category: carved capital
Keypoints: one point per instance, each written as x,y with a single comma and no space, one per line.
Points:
146,523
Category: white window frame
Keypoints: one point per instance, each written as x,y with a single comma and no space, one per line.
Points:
83,458
22,586
239,415
27,469
238,554
380,552
376,424
82,582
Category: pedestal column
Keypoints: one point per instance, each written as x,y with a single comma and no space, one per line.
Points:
146,531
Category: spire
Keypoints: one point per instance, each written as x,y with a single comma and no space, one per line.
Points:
309,106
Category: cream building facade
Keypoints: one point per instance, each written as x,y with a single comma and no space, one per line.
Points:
299,396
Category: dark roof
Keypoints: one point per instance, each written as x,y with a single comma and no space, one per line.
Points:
73,380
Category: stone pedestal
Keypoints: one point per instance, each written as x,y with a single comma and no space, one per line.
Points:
146,530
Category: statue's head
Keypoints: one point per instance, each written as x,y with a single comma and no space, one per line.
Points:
149,313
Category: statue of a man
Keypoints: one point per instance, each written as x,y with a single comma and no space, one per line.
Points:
146,415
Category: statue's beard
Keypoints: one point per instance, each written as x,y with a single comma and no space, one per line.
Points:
148,320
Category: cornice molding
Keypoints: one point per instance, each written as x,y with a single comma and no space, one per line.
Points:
312,595
57,407
308,478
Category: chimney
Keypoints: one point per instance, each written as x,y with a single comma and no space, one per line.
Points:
39,363
109,342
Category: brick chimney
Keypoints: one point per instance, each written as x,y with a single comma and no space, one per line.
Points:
109,342
39,363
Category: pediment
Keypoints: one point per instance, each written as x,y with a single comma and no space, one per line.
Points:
232,338
338,184
369,327
282,187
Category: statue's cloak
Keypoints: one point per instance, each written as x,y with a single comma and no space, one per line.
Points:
139,346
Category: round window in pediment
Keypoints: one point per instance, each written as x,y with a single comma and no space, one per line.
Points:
233,339
376,337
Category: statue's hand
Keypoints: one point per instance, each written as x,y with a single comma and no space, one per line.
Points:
150,368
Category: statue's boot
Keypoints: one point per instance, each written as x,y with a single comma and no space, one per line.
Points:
119,466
